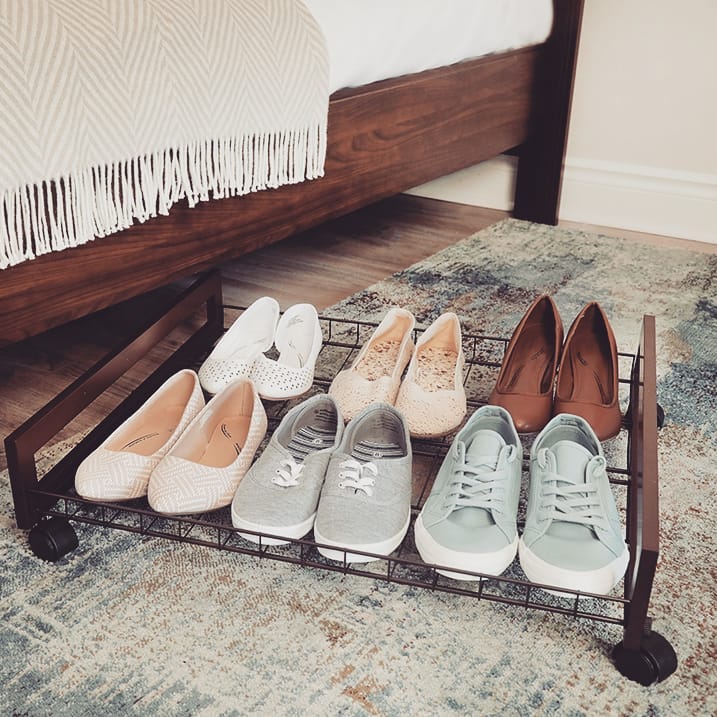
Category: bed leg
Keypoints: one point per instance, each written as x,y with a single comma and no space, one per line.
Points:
540,164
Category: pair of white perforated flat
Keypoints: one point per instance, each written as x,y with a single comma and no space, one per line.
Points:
241,352
431,395
184,455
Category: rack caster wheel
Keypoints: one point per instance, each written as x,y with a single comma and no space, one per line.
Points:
654,662
51,539
660,416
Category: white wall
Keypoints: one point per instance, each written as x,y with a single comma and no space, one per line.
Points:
642,148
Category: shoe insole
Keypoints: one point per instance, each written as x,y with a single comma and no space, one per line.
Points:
292,355
225,443
148,434
367,450
241,348
309,439
436,368
379,360
591,379
530,364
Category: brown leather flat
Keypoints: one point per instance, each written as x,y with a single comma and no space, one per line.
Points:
587,384
527,374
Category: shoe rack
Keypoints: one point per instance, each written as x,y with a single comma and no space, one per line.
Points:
48,507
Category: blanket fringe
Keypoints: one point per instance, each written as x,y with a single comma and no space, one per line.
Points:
98,201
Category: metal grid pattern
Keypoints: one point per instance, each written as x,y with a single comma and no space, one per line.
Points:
342,339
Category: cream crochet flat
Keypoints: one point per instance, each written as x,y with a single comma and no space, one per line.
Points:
375,374
432,397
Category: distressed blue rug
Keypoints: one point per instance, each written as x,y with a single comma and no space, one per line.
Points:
137,626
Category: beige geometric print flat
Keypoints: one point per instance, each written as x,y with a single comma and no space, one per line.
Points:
205,466
120,468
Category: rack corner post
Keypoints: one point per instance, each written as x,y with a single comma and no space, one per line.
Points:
643,656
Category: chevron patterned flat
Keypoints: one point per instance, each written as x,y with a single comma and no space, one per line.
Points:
120,468
204,468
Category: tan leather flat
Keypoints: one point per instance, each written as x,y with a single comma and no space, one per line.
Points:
527,374
587,384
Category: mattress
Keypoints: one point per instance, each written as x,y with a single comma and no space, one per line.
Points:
371,40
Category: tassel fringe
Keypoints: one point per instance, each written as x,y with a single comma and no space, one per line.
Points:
98,201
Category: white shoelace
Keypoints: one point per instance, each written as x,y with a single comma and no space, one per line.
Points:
478,484
359,476
288,473
571,501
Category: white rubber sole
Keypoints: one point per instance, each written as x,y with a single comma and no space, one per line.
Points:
291,532
600,581
434,553
381,548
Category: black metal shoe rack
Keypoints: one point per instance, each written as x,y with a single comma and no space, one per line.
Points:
47,505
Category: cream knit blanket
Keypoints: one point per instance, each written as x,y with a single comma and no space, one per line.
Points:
113,110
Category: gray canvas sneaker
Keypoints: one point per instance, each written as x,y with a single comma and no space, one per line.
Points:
469,520
365,503
573,536
280,492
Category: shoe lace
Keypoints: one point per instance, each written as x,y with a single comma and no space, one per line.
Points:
569,500
478,483
288,473
357,475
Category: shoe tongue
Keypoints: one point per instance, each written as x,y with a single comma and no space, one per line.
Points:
485,448
571,460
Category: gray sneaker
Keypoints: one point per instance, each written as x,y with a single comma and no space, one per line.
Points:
573,536
280,492
469,519
365,503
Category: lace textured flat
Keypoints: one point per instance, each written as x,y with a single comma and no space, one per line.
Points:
375,374
431,396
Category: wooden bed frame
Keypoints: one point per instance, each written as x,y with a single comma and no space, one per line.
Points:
383,138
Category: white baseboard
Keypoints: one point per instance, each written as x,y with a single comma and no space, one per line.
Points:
634,197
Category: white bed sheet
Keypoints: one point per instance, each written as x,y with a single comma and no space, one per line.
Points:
371,40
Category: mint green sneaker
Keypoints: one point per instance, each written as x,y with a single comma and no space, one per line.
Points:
573,536
469,519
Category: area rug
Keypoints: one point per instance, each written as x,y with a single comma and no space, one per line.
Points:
137,626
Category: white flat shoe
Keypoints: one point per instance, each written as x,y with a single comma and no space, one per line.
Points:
432,397
205,466
298,340
246,339
120,468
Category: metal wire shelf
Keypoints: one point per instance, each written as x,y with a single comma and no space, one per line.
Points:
632,469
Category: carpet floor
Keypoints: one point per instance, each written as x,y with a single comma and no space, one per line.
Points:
129,625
